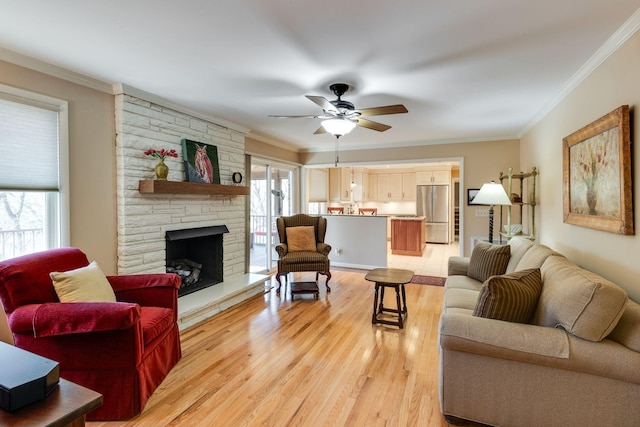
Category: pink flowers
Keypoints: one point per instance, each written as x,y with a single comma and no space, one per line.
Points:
162,153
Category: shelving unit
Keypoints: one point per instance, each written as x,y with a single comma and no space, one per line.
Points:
525,204
153,186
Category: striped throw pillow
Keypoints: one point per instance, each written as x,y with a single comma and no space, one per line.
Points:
488,260
511,297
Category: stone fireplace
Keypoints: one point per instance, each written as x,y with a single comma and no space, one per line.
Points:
145,220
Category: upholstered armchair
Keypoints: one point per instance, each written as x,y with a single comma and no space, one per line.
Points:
301,247
122,349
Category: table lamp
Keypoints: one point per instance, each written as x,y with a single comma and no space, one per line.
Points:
491,194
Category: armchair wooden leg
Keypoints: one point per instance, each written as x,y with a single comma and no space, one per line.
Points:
278,280
325,273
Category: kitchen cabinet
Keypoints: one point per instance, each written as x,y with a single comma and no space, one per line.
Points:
407,236
396,187
361,188
433,177
340,184
373,187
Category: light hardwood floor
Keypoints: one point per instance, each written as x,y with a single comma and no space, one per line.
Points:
276,362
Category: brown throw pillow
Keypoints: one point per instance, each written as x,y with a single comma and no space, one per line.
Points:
488,260
301,238
511,297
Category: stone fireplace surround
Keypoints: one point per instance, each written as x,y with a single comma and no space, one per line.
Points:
144,121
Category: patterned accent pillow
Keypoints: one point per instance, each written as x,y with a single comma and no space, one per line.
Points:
511,297
302,238
488,260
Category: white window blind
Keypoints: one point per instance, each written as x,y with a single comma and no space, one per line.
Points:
29,146
318,185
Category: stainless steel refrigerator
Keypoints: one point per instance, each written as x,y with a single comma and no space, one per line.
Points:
432,202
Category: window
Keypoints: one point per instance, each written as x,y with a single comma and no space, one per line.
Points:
34,207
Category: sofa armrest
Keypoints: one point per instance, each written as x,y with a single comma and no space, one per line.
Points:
457,266
53,319
148,290
497,338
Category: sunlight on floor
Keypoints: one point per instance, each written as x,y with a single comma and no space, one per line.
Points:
433,261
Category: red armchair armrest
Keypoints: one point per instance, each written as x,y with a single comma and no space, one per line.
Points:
148,290
52,319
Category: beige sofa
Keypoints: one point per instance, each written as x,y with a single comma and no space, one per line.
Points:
575,363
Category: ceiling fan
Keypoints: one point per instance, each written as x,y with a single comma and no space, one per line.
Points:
339,117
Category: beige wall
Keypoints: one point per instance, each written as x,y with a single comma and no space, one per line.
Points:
92,160
258,148
612,84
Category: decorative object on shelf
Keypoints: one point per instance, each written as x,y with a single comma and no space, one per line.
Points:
491,194
161,169
200,162
515,198
512,229
236,177
596,172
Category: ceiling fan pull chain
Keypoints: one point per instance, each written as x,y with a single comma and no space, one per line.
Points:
336,150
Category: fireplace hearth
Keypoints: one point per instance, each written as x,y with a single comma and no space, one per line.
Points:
196,255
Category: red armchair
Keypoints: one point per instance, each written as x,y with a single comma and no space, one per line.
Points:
122,350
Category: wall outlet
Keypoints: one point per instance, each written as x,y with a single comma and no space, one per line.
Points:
482,212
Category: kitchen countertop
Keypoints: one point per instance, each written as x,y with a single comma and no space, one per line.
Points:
408,218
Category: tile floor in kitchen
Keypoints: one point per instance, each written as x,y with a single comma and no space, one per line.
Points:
433,261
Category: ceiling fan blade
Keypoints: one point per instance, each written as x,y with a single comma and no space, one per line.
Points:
295,117
380,111
372,125
322,102
320,131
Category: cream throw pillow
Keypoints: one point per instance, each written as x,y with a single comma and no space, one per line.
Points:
301,238
85,284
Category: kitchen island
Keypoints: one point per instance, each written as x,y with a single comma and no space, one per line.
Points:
407,235
357,241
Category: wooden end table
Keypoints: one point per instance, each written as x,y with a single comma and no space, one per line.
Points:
299,288
389,278
67,406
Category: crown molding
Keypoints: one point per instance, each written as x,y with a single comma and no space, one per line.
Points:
624,33
54,70
123,89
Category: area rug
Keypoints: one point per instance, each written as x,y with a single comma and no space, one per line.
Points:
428,280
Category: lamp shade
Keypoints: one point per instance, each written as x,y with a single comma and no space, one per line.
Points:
491,194
338,126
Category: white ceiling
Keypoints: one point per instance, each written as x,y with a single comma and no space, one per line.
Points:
465,70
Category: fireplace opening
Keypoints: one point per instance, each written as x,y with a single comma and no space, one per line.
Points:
196,255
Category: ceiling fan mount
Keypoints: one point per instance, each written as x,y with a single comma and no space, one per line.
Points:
344,110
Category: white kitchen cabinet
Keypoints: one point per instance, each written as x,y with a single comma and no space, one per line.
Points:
361,188
408,186
373,187
433,177
396,187
340,184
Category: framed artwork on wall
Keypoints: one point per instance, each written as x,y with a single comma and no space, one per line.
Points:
200,162
597,185
471,194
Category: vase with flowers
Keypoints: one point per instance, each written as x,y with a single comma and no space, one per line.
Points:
161,169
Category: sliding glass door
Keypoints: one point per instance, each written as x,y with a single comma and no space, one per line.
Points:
271,191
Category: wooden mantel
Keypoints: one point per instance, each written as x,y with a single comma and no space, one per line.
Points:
153,186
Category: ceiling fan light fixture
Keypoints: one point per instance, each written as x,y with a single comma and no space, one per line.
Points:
338,127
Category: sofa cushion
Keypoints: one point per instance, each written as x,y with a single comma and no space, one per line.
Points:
302,238
519,246
579,301
510,297
460,298
488,260
627,331
85,284
535,256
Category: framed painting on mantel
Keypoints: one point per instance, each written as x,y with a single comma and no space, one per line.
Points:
596,174
200,162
